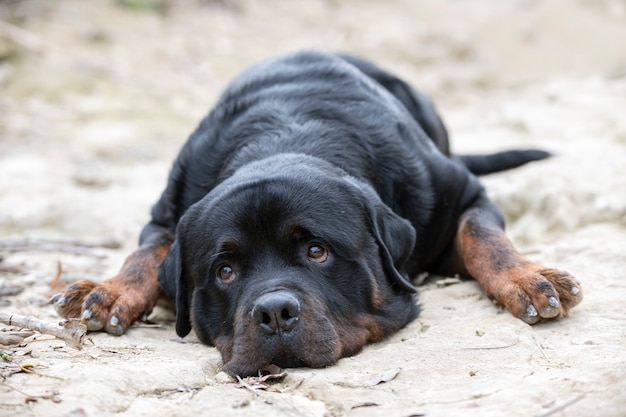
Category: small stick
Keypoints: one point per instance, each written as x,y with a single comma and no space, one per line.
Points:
541,349
56,245
29,398
562,406
71,331
21,37
104,243
492,347
57,278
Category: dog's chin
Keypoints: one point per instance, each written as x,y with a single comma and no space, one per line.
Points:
243,367
251,361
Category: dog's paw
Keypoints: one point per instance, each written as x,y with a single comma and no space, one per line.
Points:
108,306
534,293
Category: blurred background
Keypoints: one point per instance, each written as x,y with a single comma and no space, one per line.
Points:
96,97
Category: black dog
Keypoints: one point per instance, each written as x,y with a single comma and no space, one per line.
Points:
297,212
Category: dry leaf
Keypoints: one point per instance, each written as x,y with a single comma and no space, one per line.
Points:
368,404
384,377
256,383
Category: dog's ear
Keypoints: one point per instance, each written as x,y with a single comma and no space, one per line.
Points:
177,287
394,235
396,239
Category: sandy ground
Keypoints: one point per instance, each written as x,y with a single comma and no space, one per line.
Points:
96,101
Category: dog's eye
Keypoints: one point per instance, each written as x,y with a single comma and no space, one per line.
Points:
226,274
317,253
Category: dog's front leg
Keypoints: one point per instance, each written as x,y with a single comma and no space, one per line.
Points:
527,289
113,305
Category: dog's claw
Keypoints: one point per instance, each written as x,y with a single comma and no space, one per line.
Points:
114,327
578,296
58,302
531,316
552,310
549,312
61,302
91,323
94,325
553,302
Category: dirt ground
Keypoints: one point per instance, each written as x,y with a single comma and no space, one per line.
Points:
96,97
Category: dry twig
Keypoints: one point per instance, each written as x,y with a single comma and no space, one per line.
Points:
541,349
189,390
562,406
492,347
71,331
48,395
10,336
76,247
20,36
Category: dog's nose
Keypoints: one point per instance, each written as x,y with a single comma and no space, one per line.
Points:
276,311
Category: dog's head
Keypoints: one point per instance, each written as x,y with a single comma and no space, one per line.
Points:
289,261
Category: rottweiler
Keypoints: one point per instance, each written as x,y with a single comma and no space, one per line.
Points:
297,214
